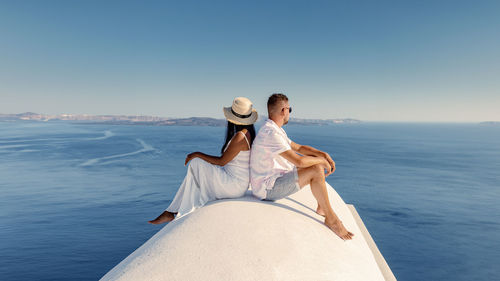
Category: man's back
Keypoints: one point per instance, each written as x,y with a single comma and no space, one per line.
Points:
266,165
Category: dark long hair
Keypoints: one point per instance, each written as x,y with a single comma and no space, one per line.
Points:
232,129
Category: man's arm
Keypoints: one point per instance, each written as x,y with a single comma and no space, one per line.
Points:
311,151
306,161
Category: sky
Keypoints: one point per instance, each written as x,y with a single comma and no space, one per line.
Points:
403,61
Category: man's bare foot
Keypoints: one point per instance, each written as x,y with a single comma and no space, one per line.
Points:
320,211
339,229
163,218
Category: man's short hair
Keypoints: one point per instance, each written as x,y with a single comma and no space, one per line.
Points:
275,99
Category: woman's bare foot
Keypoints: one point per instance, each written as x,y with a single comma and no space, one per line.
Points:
320,211
163,218
339,229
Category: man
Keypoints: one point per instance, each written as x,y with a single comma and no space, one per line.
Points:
280,167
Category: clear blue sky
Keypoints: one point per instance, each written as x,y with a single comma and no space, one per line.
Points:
371,60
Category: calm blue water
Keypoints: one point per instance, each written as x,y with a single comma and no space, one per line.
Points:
75,199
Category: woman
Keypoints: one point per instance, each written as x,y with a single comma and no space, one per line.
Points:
216,177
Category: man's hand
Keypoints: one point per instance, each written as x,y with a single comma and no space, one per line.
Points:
327,167
330,162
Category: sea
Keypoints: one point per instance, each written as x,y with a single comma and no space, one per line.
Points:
75,198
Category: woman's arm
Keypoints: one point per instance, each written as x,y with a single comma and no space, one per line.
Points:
237,144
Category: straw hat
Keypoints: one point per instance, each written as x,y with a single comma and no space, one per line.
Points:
241,112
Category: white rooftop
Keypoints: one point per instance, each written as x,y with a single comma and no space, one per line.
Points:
248,239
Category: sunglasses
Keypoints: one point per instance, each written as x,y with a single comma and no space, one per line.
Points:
289,109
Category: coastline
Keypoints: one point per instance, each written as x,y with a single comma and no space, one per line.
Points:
154,120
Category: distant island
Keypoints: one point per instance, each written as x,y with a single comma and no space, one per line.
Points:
490,123
152,120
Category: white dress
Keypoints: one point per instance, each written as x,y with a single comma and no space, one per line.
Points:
206,182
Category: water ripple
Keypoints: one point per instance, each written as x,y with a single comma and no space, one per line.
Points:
145,148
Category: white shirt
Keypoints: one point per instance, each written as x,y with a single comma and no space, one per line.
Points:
266,165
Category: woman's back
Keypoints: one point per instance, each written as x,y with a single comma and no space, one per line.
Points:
239,166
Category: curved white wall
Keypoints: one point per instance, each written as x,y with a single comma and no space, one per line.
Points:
247,239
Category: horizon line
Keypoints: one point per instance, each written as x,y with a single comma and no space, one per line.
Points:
170,117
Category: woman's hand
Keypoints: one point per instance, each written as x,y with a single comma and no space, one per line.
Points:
190,157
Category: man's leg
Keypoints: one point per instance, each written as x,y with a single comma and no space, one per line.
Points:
315,177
